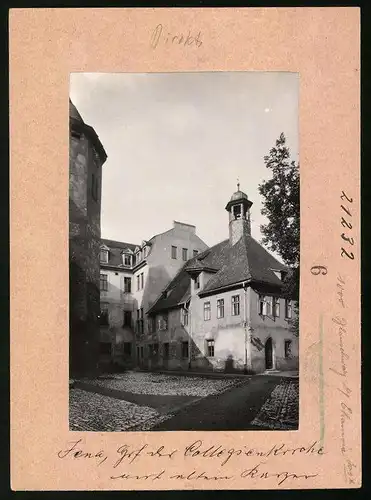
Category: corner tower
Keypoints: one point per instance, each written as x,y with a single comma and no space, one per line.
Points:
239,215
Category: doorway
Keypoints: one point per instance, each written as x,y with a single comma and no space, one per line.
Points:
269,354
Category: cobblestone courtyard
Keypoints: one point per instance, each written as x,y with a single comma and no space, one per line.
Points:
145,401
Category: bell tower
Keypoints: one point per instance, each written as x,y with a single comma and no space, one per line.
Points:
239,215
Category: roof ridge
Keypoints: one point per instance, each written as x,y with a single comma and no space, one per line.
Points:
119,242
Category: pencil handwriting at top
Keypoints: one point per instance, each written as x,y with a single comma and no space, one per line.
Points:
160,35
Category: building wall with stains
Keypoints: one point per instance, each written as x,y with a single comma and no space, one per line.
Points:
85,180
226,343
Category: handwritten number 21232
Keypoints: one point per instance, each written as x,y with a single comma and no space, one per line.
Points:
347,224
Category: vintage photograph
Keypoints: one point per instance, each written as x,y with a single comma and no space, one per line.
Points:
184,232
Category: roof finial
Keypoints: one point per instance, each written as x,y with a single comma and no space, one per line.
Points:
238,184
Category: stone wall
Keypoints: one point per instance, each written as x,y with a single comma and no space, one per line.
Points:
84,245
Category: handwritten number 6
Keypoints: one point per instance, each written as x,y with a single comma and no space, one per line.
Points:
316,270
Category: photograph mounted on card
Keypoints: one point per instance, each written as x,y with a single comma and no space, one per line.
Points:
202,328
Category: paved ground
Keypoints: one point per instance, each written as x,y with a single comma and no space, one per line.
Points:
150,401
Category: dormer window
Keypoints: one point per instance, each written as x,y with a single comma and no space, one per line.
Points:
104,255
126,259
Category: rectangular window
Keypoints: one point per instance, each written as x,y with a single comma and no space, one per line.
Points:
185,254
267,306
155,349
197,282
195,252
210,348
235,305
262,306
220,308
127,259
288,348
207,311
141,281
141,313
104,282
127,285
151,325
150,350
166,350
103,318
173,252
138,282
184,349
288,309
127,349
127,318
268,301
184,316
162,322
276,307
141,351
104,256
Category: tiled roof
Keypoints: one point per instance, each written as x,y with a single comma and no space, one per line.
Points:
115,249
247,260
175,293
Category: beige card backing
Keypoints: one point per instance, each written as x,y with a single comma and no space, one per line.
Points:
322,45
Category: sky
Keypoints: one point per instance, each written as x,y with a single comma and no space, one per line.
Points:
176,144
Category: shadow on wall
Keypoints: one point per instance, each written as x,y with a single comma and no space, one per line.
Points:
117,325
173,350
229,364
157,279
84,326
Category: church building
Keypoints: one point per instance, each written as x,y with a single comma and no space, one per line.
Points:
225,309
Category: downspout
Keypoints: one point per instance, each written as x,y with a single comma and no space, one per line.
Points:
190,337
189,333
247,329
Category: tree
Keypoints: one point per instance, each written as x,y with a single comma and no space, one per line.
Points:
281,206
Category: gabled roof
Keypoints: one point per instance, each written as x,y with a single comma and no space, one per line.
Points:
115,251
247,260
177,292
